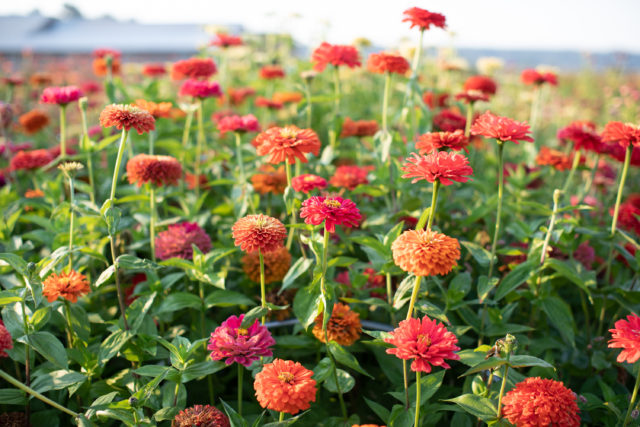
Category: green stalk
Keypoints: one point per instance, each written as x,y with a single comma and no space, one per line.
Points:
547,239
414,297
152,220
152,138
243,178
592,175
502,387
27,357
63,131
633,397
336,88
496,233
290,206
185,134
417,419
72,216
417,56
281,417
200,144
385,101
467,126
240,373
67,313
572,171
429,214
263,297
390,298
85,145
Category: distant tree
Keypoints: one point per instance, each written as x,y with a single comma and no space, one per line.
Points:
71,12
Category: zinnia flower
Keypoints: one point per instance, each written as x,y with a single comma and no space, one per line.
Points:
226,40
154,70
287,144
33,121
434,141
344,325
423,18
503,128
276,265
272,180
127,117
330,210
200,89
550,157
387,63
449,121
287,97
69,286
626,335
425,252
285,386
240,124
235,344
198,415
308,182
336,55
258,232
157,110
541,402
268,103
29,160
629,213
583,135
159,170
425,341
482,84
350,176
270,72
60,95
434,100
100,67
176,241
6,342
535,77
439,165
193,68
622,133
40,79
238,95
358,128
471,96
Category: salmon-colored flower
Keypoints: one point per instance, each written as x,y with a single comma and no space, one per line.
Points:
285,386
193,68
258,232
271,72
308,182
535,77
287,144
434,141
423,18
550,157
40,79
154,70
238,345
344,325
387,63
33,121
425,252
238,95
583,135
157,110
541,402
350,176
226,40
336,55
425,341
330,210
60,95
503,128
159,170
449,121
271,180
33,194
200,89
69,286
199,415
626,335
28,160
359,128
127,117
261,101
434,100
439,165
276,265
240,124
622,133
287,97
177,241
483,84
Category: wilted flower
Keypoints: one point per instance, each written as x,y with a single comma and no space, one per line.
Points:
193,68
258,232
200,89
69,286
423,18
60,95
308,182
330,210
336,55
198,415
344,325
443,166
127,117
271,180
176,241
33,121
387,63
276,265
287,144
503,128
159,170
285,386
425,252
434,141
350,176
235,344
358,128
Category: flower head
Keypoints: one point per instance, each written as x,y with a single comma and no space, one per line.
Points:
471,96
434,100
177,241
193,68
271,104
33,121
483,84
235,344
358,128
271,72
101,66
198,415
159,170
258,232
622,133
629,213
336,55
271,180
154,70
285,386
276,265
550,157
287,97
425,341
425,252
287,144
387,63
350,176
423,18
541,402
583,135
330,210
60,95
626,335
238,95
308,182
226,40
28,160
157,110
433,141
240,124
344,325
69,286
127,117
439,165
200,89
503,128
6,341
535,77
449,121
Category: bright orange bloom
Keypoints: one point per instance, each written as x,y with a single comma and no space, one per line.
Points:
541,402
270,72
261,101
127,116
425,252
100,66
262,232
287,144
276,265
33,121
550,157
193,68
33,194
358,128
287,97
387,63
503,128
285,386
272,180
626,335
622,133
69,286
443,166
157,110
344,326
434,141
336,55
423,18
159,170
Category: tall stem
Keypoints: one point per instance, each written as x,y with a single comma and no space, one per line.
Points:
574,166
63,131
263,297
633,397
502,388
27,358
199,145
385,101
592,175
414,297
67,314
185,133
390,298
85,146
496,233
434,203
547,239
240,374
71,219
290,206
337,92
152,220
238,139
152,138
467,126
417,419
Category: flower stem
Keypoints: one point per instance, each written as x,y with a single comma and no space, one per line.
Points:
502,387
27,357
417,56
547,239
263,297
336,88
290,206
152,220
417,419
496,233
281,417
434,203
467,126
199,145
71,220
67,314
185,134
414,296
390,298
238,138
63,131
152,138
85,145
592,175
240,373
633,397
574,166
385,101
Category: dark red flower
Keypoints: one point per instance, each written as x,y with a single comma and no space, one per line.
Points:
626,335
240,124
583,135
423,18
268,103
387,63
6,341
202,416
449,121
629,214
330,210
471,96
60,95
336,55
434,100
238,95
358,128
159,170
439,165
503,128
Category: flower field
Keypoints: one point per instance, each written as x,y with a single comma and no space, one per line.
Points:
249,238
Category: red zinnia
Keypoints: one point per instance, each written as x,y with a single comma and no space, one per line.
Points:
308,182
154,70
482,84
258,232
387,63
425,252
423,18
583,135
626,335
30,159
127,116
270,72
541,402
176,241
193,68
434,141
285,386
240,124
350,176
200,89
439,165
622,133
535,77
60,95
287,144
225,40
330,210
449,121
503,128
159,170
336,55
425,341
6,342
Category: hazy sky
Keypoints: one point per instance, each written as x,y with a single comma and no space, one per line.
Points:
592,25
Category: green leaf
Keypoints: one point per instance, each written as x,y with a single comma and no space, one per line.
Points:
224,298
459,287
252,315
485,286
130,262
16,262
515,278
112,345
323,370
48,346
105,275
478,406
345,380
306,304
491,363
12,396
7,297
234,418
178,301
524,360
480,254
400,417
201,369
57,380
380,411
299,267
575,272
143,394
559,313
347,359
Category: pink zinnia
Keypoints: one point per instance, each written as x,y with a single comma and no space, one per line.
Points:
6,342
200,89
176,241
439,165
424,19
503,128
244,346
307,182
330,210
60,95
240,124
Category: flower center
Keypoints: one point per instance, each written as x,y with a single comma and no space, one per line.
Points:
332,203
241,332
424,339
288,133
286,377
309,178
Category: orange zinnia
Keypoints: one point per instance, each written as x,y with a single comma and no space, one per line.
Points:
287,144
258,232
157,110
425,252
33,121
160,170
276,265
69,286
271,180
127,116
285,386
344,325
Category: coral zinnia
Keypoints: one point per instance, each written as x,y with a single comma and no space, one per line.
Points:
425,252
550,157
287,144
439,165
425,341
449,121
387,63
176,241
200,89
272,180
127,117
330,210
261,101
60,95
198,415
193,68
482,84
434,141
423,18
238,95
583,135
225,40
336,55
154,70
434,100
358,128
344,325
541,402
33,121
160,170
270,72
276,265
285,386
503,128
240,124
235,344
6,342
100,67
535,77
626,335
350,176
258,232
69,286
157,110
308,182
30,159
622,133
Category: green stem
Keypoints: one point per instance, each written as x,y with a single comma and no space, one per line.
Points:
414,297
307,90
85,145
199,145
496,233
175,397
71,220
152,220
67,314
502,387
152,138
390,298
467,126
574,166
385,101
633,397
263,297
240,373
27,357
417,419
243,178
337,93
592,175
185,134
434,203
417,56
334,371
290,205
281,417
63,131
547,239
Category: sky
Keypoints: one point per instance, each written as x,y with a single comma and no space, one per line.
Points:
585,25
